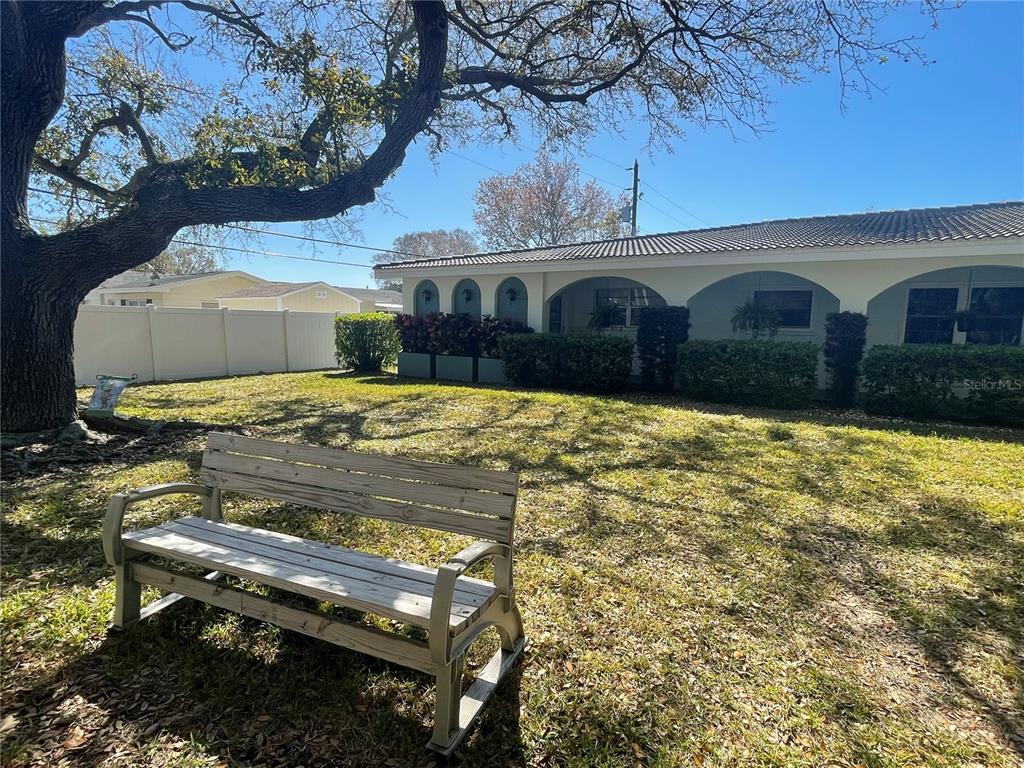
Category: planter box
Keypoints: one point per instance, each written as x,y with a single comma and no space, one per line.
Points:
416,365
490,371
455,368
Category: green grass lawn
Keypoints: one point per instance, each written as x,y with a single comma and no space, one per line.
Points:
700,587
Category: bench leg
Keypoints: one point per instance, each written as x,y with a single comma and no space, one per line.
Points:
128,598
510,629
449,699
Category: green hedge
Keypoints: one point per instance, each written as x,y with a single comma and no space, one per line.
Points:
972,383
658,335
589,362
845,334
778,374
367,341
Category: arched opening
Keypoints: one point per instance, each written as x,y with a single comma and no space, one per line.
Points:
800,305
466,298
613,303
426,299
960,305
511,300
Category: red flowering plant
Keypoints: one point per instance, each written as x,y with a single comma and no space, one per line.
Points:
414,334
492,330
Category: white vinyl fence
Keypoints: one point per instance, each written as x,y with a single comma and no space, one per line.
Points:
164,343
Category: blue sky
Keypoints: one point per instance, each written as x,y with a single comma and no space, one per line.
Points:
948,133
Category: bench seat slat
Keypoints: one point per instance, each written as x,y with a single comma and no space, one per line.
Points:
388,601
479,526
341,480
471,478
341,554
331,559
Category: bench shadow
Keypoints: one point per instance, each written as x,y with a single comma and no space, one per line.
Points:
305,702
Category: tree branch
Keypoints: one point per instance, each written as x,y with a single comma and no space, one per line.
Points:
72,178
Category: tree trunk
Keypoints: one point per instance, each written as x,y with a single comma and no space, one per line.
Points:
46,278
37,376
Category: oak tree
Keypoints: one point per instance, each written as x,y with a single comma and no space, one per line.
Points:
317,105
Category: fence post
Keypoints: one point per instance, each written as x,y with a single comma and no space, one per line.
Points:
287,351
227,349
151,319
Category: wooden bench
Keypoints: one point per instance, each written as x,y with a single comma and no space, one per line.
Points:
452,607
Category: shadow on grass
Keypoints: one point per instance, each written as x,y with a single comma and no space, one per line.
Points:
255,696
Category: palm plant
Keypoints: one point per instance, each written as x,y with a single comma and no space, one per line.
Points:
754,319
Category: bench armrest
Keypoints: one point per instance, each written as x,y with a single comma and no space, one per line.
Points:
444,589
119,503
477,551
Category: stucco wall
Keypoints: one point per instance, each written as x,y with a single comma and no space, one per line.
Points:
194,293
263,303
888,310
711,309
306,301
114,299
188,294
853,275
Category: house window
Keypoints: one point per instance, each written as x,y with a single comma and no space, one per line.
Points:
321,294
555,315
930,315
210,305
626,305
793,307
996,316
135,302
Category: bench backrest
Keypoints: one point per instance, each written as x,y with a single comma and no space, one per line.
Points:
475,502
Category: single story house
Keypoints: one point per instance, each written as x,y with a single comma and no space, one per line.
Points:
139,289
315,296
908,270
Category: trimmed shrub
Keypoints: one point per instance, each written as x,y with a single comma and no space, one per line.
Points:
414,333
492,330
660,332
588,362
779,374
845,334
367,341
971,383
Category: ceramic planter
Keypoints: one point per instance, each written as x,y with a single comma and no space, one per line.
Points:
490,371
416,365
455,368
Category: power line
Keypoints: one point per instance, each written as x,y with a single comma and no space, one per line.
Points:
677,205
270,253
663,212
251,251
275,233
319,240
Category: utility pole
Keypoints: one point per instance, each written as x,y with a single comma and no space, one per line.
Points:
636,191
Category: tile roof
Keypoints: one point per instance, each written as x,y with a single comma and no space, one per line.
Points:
266,290
136,279
986,220
377,295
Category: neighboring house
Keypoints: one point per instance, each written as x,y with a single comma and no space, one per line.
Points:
137,289
376,299
909,271
307,297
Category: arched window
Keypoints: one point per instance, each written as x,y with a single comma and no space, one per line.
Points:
511,300
466,299
427,300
